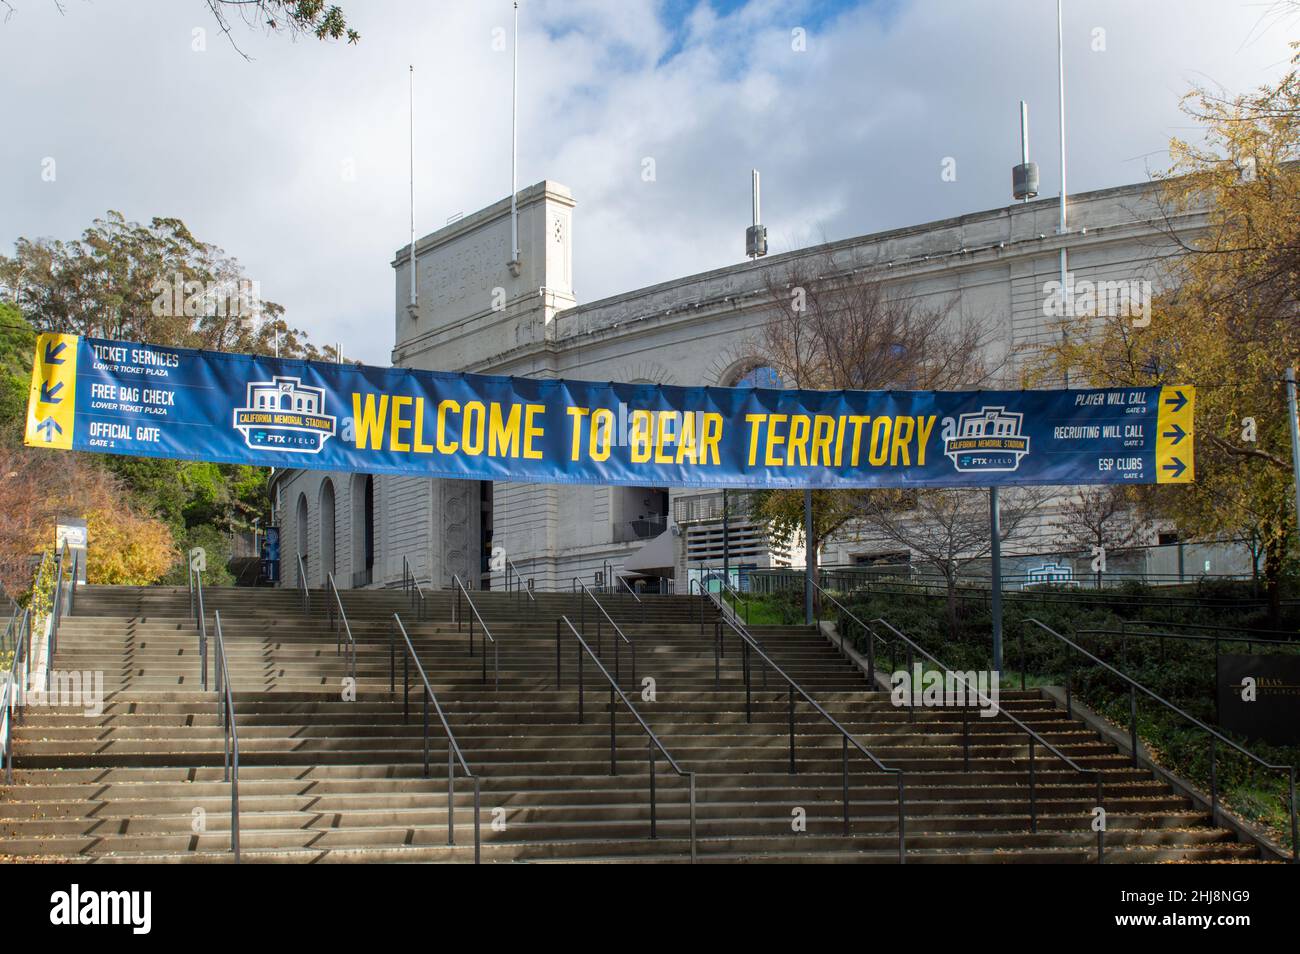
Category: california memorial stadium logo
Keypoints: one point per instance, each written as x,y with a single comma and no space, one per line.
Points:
284,414
989,440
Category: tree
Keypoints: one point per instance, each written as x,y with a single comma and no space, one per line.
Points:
156,283
832,328
1101,517
127,548
36,487
17,342
324,21
1230,324
948,529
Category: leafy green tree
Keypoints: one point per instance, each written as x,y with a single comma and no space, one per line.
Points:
325,21
17,341
156,283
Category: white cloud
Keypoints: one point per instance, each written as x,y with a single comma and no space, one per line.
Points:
849,135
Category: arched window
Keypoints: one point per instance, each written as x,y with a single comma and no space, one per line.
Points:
759,376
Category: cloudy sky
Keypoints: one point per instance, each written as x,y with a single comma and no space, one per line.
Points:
295,160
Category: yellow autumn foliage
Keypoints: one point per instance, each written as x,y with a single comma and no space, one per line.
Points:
127,549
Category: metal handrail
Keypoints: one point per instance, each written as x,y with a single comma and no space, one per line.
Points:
302,586
748,644
1034,736
736,596
411,586
457,618
519,580
454,753
1215,735
636,596
72,591
965,591
1192,637
9,639
1125,623
654,742
200,621
230,731
1125,634
719,647
13,694
600,644
345,631
56,616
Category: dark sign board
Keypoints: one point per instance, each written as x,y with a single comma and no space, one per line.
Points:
1273,714
271,555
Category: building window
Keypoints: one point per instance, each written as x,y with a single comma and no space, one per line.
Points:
760,376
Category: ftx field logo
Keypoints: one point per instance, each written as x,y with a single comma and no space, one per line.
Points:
284,414
990,440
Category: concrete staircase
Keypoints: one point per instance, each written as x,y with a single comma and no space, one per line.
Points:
325,779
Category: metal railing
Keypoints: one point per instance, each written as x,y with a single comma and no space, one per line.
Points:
768,581
643,528
984,699
13,694
302,586
748,645
199,614
627,587
56,612
513,575
1215,736
342,634
454,753
707,598
1126,636
583,594
653,744
736,597
230,732
1124,624
458,618
415,592
10,639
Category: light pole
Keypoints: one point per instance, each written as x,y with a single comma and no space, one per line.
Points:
1061,227
809,553
995,594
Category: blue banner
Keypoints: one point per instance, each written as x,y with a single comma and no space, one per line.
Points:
145,400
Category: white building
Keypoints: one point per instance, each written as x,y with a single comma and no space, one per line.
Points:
473,313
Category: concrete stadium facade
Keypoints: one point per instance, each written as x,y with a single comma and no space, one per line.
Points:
474,313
